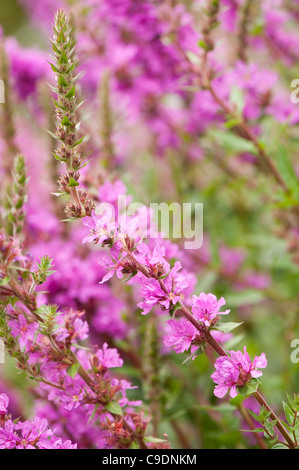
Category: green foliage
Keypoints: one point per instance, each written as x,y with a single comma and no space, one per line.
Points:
226,327
291,410
44,270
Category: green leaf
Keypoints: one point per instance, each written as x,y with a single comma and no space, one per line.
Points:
237,99
249,388
70,69
57,105
264,414
62,81
73,369
66,122
225,407
5,280
93,413
78,142
57,157
114,408
134,445
203,45
227,327
253,430
286,170
288,413
52,134
198,352
71,93
54,68
255,416
73,183
153,439
63,59
233,142
232,122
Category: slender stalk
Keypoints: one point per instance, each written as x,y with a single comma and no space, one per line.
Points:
216,347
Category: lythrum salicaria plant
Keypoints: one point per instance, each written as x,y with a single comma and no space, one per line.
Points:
96,307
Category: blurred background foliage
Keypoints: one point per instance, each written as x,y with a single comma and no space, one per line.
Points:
14,22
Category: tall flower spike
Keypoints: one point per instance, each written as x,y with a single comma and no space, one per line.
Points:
67,130
7,127
17,197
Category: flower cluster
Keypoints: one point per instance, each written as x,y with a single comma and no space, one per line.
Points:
34,434
235,371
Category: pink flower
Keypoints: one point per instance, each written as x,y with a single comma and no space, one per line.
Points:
206,308
153,294
154,260
24,330
180,335
113,266
74,393
235,371
4,400
8,439
102,227
36,430
109,357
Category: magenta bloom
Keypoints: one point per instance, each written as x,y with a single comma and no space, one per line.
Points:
180,335
153,294
235,371
109,357
37,430
102,227
24,330
205,308
4,400
8,438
